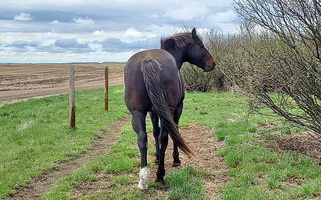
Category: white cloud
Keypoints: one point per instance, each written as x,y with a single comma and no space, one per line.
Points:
203,31
132,35
188,11
226,21
137,25
129,35
222,17
98,32
164,30
54,22
132,32
154,16
23,17
86,20
48,38
39,57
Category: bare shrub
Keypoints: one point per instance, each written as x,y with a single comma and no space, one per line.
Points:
277,60
196,80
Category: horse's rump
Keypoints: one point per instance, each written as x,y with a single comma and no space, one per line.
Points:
157,95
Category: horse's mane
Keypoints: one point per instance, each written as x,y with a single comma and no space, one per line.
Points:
180,40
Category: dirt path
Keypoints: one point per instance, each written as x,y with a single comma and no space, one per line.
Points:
40,184
204,145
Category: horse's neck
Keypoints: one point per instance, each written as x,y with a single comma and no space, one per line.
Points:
180,56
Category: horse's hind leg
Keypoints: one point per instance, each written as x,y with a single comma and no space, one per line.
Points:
177,114
163,142
139,125
156,132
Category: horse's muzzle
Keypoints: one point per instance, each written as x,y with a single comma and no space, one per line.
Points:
209,68
210,64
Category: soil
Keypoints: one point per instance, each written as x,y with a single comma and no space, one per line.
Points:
306,143
23,81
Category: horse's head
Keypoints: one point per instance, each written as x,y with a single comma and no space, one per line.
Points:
199,55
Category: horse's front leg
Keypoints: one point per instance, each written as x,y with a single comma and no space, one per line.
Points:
139,125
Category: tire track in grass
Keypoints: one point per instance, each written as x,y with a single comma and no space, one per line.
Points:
40,184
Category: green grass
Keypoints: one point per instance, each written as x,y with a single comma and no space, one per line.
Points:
257,171
185,184
35,135
123,180
121,158
120,192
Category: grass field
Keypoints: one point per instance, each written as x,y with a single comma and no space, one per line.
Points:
35,137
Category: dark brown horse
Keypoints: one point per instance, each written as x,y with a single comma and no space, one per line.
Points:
153,83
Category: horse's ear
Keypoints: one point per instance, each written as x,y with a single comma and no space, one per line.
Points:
194,34
168,44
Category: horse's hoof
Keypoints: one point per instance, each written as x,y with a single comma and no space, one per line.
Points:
176,164
142,186
160,180
143,178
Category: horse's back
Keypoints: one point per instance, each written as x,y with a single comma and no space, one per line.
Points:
136,96
163,57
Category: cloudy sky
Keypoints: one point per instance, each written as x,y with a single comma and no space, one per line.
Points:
101,30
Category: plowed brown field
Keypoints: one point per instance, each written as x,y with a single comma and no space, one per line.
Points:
23,81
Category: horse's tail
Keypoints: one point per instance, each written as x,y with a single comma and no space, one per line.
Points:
155,89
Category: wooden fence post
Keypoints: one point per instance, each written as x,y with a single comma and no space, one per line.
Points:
106,87
72,105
